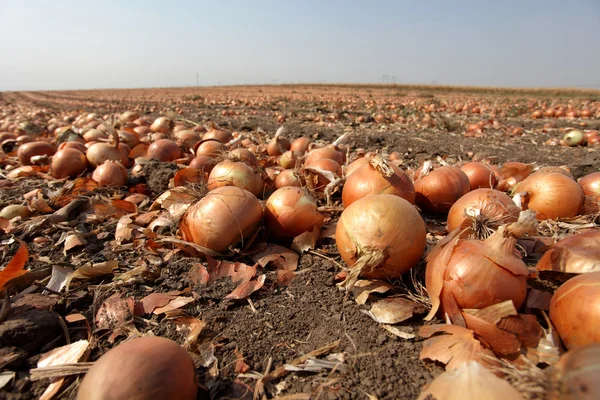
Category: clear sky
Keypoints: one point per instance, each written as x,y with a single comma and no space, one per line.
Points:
83,44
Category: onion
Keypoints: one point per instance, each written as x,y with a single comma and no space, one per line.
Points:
579,253
590,184
73,145
291,211
94,135
223,218
437,190
287,177
244,155
68,162
129,138
100,152
512,173
187,139
15,210
480,175
323,153
575,310
574,138
551,195
482,210
129,116
231,173
209,148
300,145
142,131
203,163
32,149
164,150
356,164
110,173
217,134
381,237
144,368
139,151
575,376
288,159
377,177
278,145
469,273
161,124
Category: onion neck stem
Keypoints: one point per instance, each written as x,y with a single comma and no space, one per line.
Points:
366,263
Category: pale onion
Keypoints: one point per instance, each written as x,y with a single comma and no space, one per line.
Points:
380,237
575,310
232,173
68,162
15,210
288,159
129,137
110,173
187,138
481,211
480,175
551,195
144,368
438,189
223,218
377,176
290,211
164,150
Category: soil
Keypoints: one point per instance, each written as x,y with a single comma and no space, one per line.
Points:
276,324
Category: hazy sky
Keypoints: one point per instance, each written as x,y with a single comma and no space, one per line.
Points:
109,44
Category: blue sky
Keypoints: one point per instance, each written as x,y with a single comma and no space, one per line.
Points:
58,44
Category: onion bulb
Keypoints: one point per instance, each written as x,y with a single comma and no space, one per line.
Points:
288,159
161,124
591,184
110,174
15,210
32,149
278,145
377,176
143,369
380,236
512,173
436,190
574,138
469,273
480,175
221,219
244,155
300,145
220,135
203,163
575,310
100,152
209,148
574,254
356,164
321,153
231,173
481,211
68,162
164,150
575,376
552,195
291,211
288,177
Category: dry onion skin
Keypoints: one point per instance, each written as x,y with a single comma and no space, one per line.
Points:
144,368
575,376
512,173
224,217
438,189
380,237
377,176
474,274
579,253
575,310
551,195
291,211
481,211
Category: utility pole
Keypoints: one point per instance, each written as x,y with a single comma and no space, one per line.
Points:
197,80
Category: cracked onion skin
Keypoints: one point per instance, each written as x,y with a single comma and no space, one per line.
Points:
145,368
222,218
382,222
575,310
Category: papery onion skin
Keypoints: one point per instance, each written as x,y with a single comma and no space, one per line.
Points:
575,376
68,162
110,173
440,189
32,149
224,217
145,368
382,222
368,180
496,207
164,150
552,195
480,175
575,310
512,173
591,184
291,211
574,254
240,174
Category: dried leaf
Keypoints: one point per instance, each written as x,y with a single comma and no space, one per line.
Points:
36,202
93,271
194,325
115,312
538,300
60,278
73,241
72,318
240,364
328,231
198,275
394,310
24,172
68,354
175,201
146,218
496,312
575,254
6,377
4,224
398,332
247,288
454,347
306,241
469,381
153,301
239,272
525,326
123,231
160,221
363,288
71,191
280,256
174,304
500,341
15,266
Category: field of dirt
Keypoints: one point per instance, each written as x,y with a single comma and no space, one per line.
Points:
239,340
